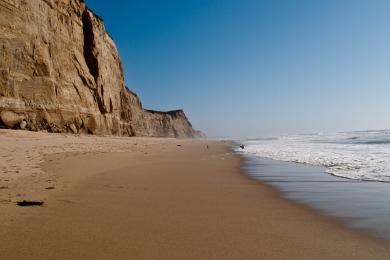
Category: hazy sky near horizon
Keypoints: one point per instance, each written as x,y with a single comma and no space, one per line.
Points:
253,67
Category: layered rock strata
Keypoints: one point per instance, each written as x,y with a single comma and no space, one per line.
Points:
60,71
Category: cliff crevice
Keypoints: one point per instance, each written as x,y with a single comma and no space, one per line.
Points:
89,45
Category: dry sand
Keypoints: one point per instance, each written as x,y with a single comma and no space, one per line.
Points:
140,198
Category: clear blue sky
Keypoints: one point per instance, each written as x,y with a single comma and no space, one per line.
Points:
252,67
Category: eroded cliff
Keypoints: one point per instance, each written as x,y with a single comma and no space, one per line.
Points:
60,71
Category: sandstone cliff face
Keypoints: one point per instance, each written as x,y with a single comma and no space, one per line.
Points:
60,71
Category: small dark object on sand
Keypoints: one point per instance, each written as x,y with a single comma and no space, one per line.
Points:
49,188
207,147
242,146
179,145
26,203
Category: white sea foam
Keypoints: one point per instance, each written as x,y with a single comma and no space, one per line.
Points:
361,155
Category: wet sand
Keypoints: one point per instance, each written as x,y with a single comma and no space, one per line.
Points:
363,205
166,199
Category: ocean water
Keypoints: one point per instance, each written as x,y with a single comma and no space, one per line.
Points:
360,155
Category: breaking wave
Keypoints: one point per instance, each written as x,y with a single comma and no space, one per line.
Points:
360,155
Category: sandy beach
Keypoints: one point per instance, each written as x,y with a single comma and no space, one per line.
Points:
151,198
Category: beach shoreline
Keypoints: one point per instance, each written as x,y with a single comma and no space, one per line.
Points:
164,199
360,205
